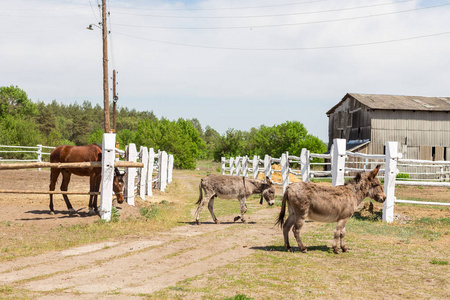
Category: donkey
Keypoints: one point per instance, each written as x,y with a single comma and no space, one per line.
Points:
229,187
327,204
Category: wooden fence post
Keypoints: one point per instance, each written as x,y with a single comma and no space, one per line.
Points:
222,165
143,158
162,172
151,164
108,157
245,166
237,163
267,167
284,170
231,165
170,169
305,167
39,155
131,175
255,167
390,174
338,162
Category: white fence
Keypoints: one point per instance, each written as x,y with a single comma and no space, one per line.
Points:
156,168
38,150
240,166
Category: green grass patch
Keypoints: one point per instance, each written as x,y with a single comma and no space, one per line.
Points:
439,262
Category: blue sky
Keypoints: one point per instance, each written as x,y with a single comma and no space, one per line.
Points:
230,64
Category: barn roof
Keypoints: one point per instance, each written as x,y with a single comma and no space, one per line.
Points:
388,102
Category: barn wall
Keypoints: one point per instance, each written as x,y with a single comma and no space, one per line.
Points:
351,120
420,134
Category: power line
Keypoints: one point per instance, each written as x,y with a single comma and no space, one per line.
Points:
267,16
282,25
230,8
293,48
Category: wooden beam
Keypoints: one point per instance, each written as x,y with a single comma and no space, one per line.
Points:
76,165
47,192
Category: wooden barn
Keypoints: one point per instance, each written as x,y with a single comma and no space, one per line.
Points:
420,125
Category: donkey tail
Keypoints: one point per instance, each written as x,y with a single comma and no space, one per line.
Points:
201,193
280,220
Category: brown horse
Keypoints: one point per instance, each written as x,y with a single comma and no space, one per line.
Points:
327,204
70,154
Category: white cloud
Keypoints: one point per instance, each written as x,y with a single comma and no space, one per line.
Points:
55,57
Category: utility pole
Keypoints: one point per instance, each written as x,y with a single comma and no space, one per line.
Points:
105,68
115,98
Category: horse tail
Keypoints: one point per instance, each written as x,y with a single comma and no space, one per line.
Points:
201,193
280,220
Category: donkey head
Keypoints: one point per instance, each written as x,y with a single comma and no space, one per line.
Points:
268,192
375,189
118,184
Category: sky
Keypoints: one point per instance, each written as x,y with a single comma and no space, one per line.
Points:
230,64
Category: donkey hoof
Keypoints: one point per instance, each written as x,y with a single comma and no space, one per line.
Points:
289,249
244,221
237,218
335,250
198,222
344,249
304,250
216,221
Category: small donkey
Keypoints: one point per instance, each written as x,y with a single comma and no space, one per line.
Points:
327,204
229,187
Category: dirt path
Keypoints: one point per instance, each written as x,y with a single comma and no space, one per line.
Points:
133,268
142,266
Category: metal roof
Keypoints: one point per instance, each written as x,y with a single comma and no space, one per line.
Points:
391,102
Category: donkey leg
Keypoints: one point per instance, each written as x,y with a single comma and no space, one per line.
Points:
338,235
200,207
286,228
243,210
54,173
297,227
64,187
211,210
342,236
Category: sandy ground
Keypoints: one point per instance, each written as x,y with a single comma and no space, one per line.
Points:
125,268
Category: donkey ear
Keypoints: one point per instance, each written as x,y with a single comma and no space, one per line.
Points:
268,180
374,172
358,177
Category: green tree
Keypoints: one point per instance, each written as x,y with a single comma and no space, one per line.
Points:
14,101
230,144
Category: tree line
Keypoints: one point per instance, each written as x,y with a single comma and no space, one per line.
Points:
26,123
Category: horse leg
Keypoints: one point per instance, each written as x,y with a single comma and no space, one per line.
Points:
211,210
64,186
54,173
243,209
93,198
287,227
97,189
339,234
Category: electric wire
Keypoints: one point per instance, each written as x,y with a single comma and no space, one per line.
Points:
285,24
289,49
266,16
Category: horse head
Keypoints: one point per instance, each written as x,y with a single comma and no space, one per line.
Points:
118,184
